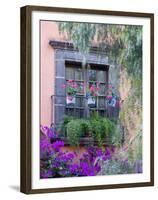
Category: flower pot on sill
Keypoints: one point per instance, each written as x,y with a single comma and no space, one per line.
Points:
91,102
70,100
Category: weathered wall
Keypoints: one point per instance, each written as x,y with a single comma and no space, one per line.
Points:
49,31
130,117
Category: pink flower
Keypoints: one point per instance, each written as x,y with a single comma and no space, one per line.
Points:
110,86
97,89
94,94
63,86
118,104
70,98
109,97
98,84
91,88
70,81
74,85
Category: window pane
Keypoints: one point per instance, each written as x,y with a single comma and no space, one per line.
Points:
69,73
78,74
102,89
102,113
92,75
70,111
101,76
78,101
77,113
101,102
80,88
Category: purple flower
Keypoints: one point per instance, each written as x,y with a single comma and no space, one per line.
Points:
70,156
104,158
74,168
84,168
138,166
57,145
90,150
108,153
44,144
97,168
46,173
113,148
99,152
49,132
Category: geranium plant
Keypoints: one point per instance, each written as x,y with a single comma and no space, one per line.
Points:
71,87
93,90
111,98
71,90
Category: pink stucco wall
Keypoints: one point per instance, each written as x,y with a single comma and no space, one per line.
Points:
49,31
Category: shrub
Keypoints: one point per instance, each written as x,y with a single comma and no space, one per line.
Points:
120,166
96,127
74,132
115,166
102,128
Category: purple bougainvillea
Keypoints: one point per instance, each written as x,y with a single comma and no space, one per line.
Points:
57,145
56,162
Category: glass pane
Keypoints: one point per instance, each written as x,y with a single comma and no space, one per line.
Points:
77,113
78,74
82,102
78,101
80,87
81,113
102,113
101,76
101,102
70,111
102,89
92,75
69,73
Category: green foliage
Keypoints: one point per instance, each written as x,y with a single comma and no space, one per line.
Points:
116,136
135,148
74,132
80,33
63,126
96,127
116,166
102,128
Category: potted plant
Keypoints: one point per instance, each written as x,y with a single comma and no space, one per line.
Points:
92,92
71,90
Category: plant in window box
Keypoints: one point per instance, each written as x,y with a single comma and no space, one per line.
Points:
71,90
92,92
112,99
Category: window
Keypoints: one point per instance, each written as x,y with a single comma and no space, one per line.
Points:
95,74
68,67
